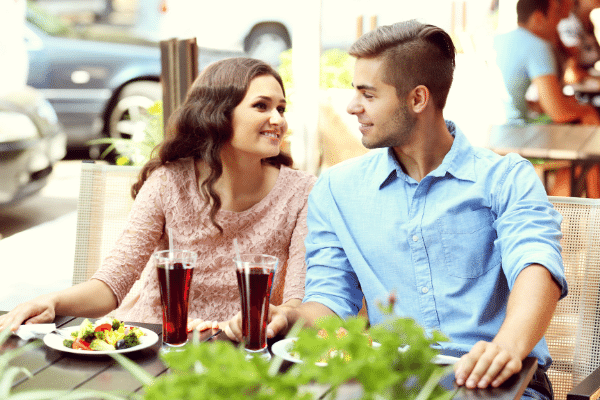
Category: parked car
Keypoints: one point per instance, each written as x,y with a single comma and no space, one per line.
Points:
98,88
32,140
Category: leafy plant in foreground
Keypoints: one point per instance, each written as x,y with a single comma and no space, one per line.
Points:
219,370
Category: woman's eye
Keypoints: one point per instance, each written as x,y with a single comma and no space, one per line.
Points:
281,110
261,106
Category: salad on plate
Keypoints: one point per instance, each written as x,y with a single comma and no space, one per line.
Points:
106,334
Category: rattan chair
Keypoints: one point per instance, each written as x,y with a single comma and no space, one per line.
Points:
102,210
574,333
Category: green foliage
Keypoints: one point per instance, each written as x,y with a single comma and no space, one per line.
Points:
384,372
336,68
400,368
138,150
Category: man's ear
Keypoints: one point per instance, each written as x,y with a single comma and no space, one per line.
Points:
419,98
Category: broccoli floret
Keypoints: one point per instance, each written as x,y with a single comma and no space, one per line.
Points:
100,345
116,324
131,340
86,331
100,335
68,343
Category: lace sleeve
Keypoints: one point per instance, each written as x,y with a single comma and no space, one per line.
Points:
296,266
132,250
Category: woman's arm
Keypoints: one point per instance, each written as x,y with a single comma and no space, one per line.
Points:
88,299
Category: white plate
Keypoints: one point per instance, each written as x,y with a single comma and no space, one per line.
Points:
282,349
55,341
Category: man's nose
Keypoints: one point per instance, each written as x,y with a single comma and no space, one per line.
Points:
354,107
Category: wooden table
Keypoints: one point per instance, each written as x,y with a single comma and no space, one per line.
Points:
56,370
579,144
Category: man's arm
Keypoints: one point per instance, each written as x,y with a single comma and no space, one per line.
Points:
530,307
561,108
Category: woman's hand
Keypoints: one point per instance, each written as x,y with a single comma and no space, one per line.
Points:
202,325
39,310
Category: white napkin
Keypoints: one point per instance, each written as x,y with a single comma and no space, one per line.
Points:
34,331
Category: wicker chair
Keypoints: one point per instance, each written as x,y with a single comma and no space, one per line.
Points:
102,210
574,333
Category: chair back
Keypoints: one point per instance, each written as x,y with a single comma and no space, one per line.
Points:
573,336
102,211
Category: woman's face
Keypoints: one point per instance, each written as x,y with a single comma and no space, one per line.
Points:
258,121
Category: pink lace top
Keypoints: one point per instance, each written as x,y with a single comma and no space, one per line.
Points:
170,198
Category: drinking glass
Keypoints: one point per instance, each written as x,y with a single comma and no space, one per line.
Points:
175,269
255,274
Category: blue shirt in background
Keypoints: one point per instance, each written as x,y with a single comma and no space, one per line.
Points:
521,57
450,246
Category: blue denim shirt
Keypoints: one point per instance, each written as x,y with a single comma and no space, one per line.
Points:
450,246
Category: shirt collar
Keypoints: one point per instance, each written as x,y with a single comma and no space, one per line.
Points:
458,162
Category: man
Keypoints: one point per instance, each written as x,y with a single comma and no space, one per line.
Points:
525,56
465,238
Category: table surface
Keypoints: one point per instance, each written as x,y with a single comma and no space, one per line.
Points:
56,370
552,142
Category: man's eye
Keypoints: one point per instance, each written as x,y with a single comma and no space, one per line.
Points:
367,96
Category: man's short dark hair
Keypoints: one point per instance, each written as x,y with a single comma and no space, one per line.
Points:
525,8
414,54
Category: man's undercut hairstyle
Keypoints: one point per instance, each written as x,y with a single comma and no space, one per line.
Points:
414,54
525,8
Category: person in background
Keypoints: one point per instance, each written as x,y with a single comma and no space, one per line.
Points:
525,56
220,174
576,34
466,238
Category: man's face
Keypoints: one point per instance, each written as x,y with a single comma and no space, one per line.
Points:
385,120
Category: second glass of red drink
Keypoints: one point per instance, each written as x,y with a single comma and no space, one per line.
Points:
255,274
175,269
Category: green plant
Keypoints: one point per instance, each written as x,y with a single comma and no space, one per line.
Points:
138,149
219,370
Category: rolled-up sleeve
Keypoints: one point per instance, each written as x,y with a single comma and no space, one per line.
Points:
330,279
528,226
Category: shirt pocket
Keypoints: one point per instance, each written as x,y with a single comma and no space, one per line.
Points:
468,243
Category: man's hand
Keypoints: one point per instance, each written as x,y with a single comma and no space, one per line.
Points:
278,322
487,363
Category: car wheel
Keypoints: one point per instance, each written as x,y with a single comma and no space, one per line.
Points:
127,118
267,42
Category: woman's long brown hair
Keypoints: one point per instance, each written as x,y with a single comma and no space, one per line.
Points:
202,124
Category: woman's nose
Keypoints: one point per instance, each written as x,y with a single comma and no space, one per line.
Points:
277,118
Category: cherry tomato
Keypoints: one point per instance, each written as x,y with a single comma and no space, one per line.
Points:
103,327
81,344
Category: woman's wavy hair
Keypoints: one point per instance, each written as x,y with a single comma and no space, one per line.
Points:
202,124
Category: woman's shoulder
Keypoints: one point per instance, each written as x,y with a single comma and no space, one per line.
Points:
175,171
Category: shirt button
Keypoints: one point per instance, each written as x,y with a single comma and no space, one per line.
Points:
415,238
424,290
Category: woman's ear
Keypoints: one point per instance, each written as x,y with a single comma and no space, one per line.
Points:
419,98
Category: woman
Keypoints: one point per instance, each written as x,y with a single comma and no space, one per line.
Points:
220,174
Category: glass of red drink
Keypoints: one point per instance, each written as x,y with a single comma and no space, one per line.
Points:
175,269
255,274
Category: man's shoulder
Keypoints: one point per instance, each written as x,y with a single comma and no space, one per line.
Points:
522,37
358,166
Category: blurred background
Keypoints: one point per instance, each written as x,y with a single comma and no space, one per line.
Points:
93,72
